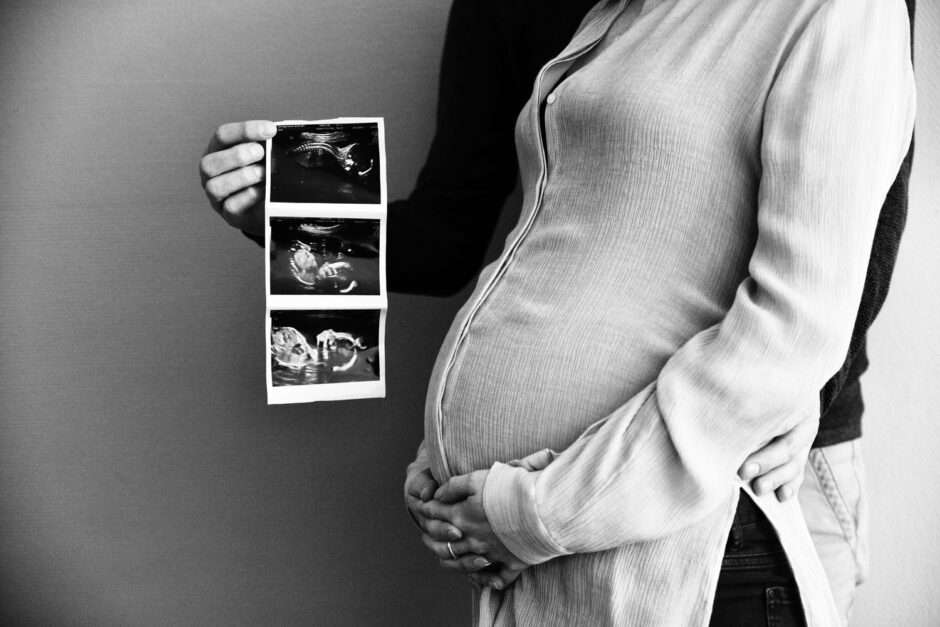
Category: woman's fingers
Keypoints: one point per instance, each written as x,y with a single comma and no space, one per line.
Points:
436,509
438,548
460,548
441,531
509,575
456,489
487,579
461,487
421,485
465,562
497,580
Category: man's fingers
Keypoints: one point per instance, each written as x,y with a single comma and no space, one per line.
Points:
221,187
774,454
222,161
779,476
780,450
788,490
240,132
456,489
237,208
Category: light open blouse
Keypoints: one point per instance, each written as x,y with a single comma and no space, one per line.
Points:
700,196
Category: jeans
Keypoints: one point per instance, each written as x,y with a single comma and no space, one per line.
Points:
836,510
756,587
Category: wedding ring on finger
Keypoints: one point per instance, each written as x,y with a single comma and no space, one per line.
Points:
450,549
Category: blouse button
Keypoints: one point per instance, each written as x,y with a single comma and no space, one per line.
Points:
551,99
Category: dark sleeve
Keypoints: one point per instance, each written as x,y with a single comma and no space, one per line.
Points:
438,236
884,254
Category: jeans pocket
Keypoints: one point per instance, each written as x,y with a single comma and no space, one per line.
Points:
840,476
839,484
784,608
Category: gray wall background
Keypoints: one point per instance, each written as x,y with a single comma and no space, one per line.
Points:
143,480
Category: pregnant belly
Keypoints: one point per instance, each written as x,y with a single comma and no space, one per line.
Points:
567,333
525,378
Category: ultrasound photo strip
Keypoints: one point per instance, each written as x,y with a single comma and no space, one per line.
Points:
338,260
330,162
323,355
325,228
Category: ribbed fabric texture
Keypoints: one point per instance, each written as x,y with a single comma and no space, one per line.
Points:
700,201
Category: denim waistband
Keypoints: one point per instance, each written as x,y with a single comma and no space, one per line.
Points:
752,540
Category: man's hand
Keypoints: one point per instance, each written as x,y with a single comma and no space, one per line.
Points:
778,466
231,175
459,502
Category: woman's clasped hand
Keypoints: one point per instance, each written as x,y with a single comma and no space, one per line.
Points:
458,532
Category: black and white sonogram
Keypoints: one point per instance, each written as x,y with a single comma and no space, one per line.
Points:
325,256
316,347
326,163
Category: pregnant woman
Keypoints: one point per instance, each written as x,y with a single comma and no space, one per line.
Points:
702,181
715,170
